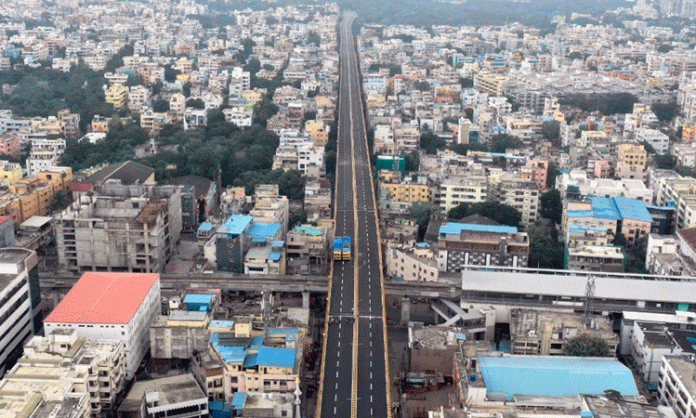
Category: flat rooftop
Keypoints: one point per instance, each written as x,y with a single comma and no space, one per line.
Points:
171,390
555,376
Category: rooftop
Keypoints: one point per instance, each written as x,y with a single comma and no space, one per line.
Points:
171,390
128,173
266,230
236,224
555,376
451,228
103,298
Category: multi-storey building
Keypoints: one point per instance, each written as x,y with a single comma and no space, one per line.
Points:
120,228
595,258
308,250
633,155
172,397
454,191
679,192
522,195
44,153
461,245
534,332
270,206
10,173
139,98
98,366
676,386
658,140
117,95
412,264
491,83
113,307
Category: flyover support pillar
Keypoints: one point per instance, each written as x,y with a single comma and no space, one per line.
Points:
405,311
305,300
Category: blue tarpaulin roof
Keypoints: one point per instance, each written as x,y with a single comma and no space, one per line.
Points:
236,224
198,298
276,357
261,229
205,226
457,228
555,376
238,400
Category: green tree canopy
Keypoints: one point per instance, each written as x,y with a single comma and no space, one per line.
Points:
586,345
420,212
551,130
421,85
431,142
503,142
544,252
552,205
503,214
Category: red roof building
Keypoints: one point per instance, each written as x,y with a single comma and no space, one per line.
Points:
103,298
111,306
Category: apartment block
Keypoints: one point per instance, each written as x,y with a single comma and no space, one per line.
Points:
676,386
462,245
679,192
417,264
317,201
523,195
658,140
454,191
633,155
10,173
491,83
308,250
120,228
95,367
44,153
543,333
595,258
117,95
270,206
153,122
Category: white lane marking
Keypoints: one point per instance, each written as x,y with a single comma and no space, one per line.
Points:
337,371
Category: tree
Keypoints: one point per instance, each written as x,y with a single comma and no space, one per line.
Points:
665,161
665,112
664,48
420,212
170,73
543,251
503,214
431,142
195,103
421,85
458,212
313,38
552,206
586,345
502,142
551,130
160,106
412,160
551,175
186,89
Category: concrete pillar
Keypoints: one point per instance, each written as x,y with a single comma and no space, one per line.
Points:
305,300
405,311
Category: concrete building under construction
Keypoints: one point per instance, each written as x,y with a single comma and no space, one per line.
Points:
546,333
120,228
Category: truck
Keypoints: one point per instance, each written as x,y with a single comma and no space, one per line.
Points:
342,248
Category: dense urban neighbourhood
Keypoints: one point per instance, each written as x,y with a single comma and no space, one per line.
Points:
186,227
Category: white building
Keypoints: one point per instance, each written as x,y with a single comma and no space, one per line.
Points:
111,306
677,387
16,324
44,153
655,138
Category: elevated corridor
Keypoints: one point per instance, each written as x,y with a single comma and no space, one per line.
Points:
336,392
366,375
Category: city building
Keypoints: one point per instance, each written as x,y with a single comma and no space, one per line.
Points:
595,258
117,95
676,387
544,333
120,228
461,245
308,250
96,367
417,263
454,191
20,298
270,206
111,306
175,397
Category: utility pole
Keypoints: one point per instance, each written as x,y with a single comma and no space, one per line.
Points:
589,299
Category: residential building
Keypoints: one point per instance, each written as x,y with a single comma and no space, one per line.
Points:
658,140
232,243
113,307
545,333
117,95
10,145
139,98
20,296
183,331
120,228
308,250
685,154
679,192
317,201
633,155
153,122
405,191
417,264
270,206
95,367
615,215
491,83
44,153
676,386
454,191
10,173
595,258
175,397
523,195
650,342
461,245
